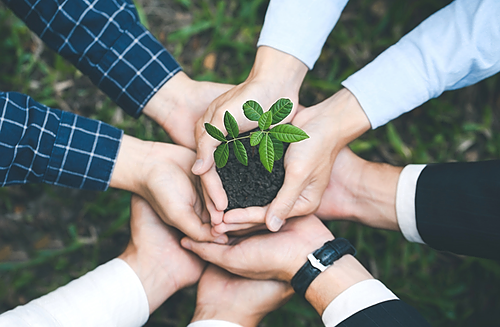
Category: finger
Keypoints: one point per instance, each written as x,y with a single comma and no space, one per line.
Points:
224,228
207,144
211,252
215,215
282,205
214,190
246,215
193,227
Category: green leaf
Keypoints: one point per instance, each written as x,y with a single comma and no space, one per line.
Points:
278,148
281,109
231,125
288,133
266,151
265,120
255,138
240,152
215,132
252,110
221,155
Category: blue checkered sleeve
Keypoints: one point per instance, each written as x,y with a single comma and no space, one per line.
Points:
105,40
41,144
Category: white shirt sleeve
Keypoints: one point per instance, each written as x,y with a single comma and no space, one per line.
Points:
109,296
300,28
456,47
356,298
405,202
213,323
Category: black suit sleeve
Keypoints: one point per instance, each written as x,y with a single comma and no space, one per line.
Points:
388,314
457,207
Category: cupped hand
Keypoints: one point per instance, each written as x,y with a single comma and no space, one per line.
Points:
267,255
274,75
180,103
227,297
160,173
155,254
330,125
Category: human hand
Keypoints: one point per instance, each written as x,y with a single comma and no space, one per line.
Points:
155,255
227,297
160,173
330,125
361,191
180,103
267,255
274,75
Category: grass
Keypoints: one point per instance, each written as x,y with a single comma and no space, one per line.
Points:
56,234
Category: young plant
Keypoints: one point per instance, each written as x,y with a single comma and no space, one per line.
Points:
270,141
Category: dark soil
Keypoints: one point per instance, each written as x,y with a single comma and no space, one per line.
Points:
252,185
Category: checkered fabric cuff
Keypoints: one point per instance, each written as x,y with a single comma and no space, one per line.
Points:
106,41
41,144
84,153
134,69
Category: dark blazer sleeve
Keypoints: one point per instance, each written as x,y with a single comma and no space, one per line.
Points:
457,207
388,314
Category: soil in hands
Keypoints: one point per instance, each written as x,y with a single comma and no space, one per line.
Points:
252,185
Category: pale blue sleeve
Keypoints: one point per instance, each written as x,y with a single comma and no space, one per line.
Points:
456,47
300,27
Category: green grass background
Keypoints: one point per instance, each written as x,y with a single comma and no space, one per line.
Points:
50,235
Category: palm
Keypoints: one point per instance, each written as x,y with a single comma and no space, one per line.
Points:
161,244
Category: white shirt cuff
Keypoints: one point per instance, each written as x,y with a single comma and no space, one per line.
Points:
213,323
300,28
405,202
110,295
356,298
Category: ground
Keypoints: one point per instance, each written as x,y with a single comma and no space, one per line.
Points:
50,235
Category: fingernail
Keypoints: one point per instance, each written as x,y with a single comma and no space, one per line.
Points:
220,240
275,224
197,166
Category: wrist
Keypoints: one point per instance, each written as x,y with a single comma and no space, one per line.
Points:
169,97
349,116
157,283
213,312
341,275
376,195
279,70
129,164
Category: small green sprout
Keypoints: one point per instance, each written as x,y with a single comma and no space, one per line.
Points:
270,141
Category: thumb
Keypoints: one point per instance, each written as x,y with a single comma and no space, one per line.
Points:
204,153
282,205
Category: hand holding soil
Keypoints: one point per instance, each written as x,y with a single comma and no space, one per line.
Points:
160,173
274,74
331,125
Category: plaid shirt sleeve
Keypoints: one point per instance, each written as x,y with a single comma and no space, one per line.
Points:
41,144
105,40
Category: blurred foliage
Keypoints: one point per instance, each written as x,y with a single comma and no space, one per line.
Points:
52,235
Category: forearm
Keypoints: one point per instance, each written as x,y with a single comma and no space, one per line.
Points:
457,46
110,295
41,144
300,28
375,196
283,72
106,42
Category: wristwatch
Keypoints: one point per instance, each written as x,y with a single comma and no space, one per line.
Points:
319,261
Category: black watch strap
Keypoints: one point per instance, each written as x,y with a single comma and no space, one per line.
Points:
318,261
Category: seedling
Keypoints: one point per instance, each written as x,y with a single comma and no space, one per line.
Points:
270,141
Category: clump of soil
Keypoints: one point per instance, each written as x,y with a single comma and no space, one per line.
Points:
252,185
